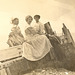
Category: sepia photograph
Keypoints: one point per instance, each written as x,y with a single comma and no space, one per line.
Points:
37,37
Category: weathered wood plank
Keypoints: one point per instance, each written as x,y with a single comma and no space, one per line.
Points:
10,53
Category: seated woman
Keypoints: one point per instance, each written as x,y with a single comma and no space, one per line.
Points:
15,36
38,26
36,46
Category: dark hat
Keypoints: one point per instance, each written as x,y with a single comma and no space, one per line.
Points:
37,16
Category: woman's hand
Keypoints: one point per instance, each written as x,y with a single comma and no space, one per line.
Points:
51,35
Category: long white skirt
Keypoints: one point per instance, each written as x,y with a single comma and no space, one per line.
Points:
36,48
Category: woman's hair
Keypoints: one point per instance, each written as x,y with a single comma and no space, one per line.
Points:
27,17
37,16
12,21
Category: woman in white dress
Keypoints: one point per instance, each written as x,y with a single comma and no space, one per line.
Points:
36,46
39,27
15,36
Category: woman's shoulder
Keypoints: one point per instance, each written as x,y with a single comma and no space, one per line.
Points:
40,23
15,28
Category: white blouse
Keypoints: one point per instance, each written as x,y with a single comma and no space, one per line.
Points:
39,27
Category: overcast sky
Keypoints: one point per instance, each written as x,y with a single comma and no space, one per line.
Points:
54,11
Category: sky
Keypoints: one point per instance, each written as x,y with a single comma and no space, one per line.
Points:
54,11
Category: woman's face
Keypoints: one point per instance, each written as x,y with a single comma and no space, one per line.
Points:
16,22
36,19
29,20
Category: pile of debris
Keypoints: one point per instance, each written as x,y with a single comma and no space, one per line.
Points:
51,71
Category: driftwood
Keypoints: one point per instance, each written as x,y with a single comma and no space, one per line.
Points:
18,65
10,53
12,62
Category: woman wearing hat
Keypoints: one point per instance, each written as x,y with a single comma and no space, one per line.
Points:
15,36
39,27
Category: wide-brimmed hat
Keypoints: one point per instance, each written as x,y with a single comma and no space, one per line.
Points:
37,16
